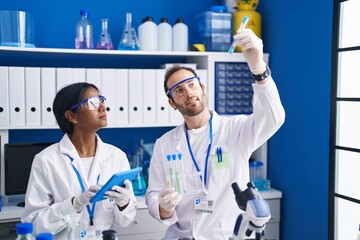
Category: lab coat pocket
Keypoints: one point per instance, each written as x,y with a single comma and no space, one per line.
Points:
221,163
227,227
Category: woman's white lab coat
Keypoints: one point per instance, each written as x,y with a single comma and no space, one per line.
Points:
53,182
238,137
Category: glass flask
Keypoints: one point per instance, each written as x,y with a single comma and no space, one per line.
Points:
129,40
105,39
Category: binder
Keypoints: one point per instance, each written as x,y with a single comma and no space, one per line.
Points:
78,75
48,92
135,97
4,97
63,78
162,104
122,96
202,73
108,90
149,96
17,96
93,76
32,96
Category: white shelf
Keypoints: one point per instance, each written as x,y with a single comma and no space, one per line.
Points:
114,52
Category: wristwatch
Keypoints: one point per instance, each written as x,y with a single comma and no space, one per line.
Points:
262,76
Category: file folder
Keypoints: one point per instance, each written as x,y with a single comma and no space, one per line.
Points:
122,96
48,92
32,96
162,104
63,78
108,90
93,76
4,97
17,96
149,96
78,75
135,97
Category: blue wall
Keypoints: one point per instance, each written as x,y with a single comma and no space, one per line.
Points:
298,37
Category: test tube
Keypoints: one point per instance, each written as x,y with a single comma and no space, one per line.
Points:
182,172
170,172
177,178
242,26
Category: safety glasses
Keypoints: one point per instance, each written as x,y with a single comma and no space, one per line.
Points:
178,90
91,103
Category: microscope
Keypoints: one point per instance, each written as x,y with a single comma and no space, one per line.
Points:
256,213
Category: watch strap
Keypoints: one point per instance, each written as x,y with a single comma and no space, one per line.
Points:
262,76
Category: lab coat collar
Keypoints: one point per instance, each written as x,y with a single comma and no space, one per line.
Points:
68,149
179,134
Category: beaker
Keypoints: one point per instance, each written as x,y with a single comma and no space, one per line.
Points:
129,40
17,29
139,185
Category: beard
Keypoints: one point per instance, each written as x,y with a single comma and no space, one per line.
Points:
194,108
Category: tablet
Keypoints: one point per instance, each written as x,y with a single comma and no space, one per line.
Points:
116,179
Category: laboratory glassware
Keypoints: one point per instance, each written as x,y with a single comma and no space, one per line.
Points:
129,40
105,39
84,32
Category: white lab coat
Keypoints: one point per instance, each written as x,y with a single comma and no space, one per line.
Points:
238,136
53,182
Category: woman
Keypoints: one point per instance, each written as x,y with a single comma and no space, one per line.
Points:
66,175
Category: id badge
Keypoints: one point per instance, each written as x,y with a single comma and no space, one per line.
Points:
202,205
90,232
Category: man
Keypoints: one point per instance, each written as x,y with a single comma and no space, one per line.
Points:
193,166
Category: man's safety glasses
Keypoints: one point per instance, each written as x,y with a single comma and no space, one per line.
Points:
178,90
91,103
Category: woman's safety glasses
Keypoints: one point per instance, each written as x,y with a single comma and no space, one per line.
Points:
178,90
91,103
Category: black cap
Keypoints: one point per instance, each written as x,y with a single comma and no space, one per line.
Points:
179,20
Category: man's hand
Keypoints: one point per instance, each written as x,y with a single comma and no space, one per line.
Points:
252,49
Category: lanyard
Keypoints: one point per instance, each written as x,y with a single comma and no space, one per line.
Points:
207,153
90,210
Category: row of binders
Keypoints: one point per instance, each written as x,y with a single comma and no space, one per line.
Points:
134,97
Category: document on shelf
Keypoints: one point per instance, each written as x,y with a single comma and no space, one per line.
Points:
78,75
162,104
17,96
135,97
149,99
63,78
108,90
93,76
4,97
122,96
32,96
48,92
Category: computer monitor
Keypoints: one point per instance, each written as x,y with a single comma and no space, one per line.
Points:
18,160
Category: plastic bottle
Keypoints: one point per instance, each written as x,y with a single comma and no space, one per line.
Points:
129,39
164,38
109,235
84,32
180,35
24,231
105,39
148,35
44,236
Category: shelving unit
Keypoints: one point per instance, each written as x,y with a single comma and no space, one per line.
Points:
72,58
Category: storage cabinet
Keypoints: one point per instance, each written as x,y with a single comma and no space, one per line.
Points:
144,227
